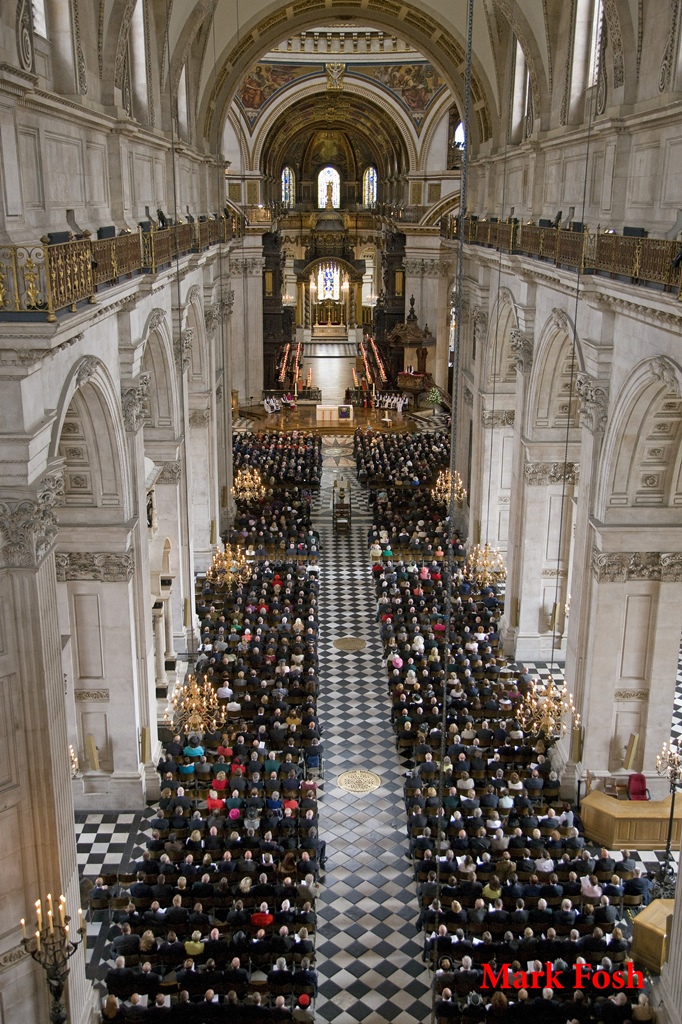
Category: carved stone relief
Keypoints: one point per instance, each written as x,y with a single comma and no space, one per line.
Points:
543,473
87,565
594,401
134,402
28,525
623,566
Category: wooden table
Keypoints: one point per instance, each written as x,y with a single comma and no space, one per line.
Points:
629,824
650,934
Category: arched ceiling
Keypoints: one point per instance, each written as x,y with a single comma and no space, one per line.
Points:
298,135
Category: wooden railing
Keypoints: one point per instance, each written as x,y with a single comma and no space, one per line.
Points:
640,260
39,280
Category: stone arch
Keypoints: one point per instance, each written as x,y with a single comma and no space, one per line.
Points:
88,436
500,366
163,414
200,365
446,50
550,405
539,86
641,465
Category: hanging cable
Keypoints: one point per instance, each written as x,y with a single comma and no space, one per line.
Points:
493,362
178,291
594,70
452,503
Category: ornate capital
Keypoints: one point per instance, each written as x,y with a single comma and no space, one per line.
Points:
247,266
623,566
183,349
522,347
28,525
497,418
562,320
435,267
594,401
170,473
87,565
480,318
199,417
544,473
134,402
80,696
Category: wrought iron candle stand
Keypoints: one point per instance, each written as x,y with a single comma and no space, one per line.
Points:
669,765
52,946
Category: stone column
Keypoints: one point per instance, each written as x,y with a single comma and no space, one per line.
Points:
38,849
594,396
246,268
426,277
497,444
97,611
161,678
199,452
522,346
218,318
635,614
134,397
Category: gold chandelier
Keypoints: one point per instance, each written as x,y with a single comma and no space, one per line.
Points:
228,567
446,486
248,486
545,708
195,708
485,566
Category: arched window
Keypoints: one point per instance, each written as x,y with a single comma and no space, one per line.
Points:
369,186
328,176
183,120
328,281
459,135
288,188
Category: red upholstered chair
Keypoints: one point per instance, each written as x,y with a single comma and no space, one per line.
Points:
637,787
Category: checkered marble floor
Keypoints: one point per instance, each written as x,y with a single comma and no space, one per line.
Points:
368,951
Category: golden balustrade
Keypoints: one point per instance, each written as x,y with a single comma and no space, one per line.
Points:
116,257
39,278
642,260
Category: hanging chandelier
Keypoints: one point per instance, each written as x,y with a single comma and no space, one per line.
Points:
228,567
195,708
485,566
545,709
248,486
447,486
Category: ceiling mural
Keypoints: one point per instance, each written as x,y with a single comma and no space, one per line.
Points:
414,86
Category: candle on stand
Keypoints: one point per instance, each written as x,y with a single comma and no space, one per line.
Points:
23,928
39,913
80,918
49,902
61,915
49,922
37,942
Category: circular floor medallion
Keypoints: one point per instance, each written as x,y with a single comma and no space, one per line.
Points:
349,643
358,781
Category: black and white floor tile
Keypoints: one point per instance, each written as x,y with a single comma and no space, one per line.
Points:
368,950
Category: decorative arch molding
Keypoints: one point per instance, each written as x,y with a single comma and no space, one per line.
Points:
91,373
448,204
200,364
312,87
549,402
500,362
641,461
238,125
440,110
159,359
539,85
445,50
314,265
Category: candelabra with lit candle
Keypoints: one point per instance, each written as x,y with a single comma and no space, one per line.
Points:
52,945
669,765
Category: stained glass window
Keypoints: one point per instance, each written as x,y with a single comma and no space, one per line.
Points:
369,186
288,188
328,176
328,282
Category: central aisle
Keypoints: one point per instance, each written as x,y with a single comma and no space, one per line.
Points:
368,952
332,366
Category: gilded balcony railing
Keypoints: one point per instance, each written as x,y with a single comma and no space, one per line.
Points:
23,280
69,274
116,257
